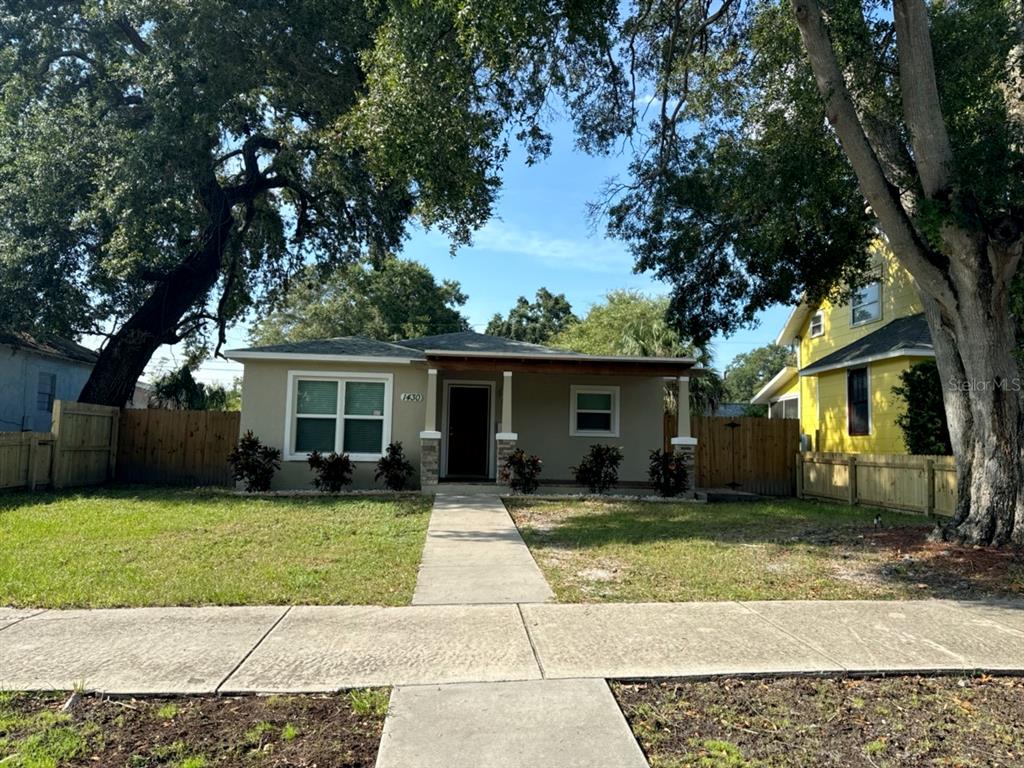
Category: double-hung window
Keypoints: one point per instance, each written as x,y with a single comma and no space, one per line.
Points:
858,401
46,391
347,413
867,303
594,411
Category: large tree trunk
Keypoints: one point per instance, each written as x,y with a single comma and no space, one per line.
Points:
157,321
964,282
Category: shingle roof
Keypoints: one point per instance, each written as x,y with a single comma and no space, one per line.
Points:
343,345
52,346
904,335
470,341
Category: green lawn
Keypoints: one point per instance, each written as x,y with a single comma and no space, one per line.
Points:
142,547
598,551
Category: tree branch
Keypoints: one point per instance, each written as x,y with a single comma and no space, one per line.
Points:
140,45
880,194
933,153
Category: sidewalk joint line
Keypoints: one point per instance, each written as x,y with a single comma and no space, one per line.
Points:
790,635
252,650
533,646
39,612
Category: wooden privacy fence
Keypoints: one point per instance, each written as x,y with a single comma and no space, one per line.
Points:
176,447
747,453
25,459
925,484
91,444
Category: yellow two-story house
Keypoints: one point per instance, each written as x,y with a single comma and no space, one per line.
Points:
849,358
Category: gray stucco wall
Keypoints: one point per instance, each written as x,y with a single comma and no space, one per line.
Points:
19,386
540,415
264,387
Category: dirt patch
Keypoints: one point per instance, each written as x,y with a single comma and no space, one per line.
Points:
897,722
936,569
341,731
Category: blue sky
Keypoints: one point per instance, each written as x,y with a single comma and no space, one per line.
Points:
540,236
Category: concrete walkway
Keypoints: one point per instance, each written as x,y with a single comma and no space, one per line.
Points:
310,648
474,554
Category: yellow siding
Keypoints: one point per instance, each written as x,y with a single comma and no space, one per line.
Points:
899,299
823,410
791,388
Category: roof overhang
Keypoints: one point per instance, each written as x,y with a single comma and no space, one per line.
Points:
791,330
243,355
813,370
773,385
563,363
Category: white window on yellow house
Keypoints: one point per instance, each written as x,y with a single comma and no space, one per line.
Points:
858,402
867,303
817,324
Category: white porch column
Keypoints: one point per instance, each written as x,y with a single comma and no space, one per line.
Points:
684,442
506,438
430,438
683,407
506,402
430,424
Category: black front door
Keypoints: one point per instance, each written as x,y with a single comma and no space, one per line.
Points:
468,430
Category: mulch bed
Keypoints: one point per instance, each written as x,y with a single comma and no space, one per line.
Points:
271,732
902,721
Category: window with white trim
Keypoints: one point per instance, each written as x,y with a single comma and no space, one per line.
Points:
594,411
346,413
46,392
817,324
867,303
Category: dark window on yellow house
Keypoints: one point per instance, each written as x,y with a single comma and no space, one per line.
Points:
858,401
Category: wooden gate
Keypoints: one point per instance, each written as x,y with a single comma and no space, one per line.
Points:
747,453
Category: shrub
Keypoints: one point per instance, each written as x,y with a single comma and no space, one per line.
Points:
924,426
520,471
394,468
667,472
599,469
254,463
333,471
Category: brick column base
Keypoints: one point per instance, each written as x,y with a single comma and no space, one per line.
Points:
430,458
506,444
686,447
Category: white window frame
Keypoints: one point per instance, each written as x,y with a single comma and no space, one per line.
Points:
871,405
818,316
785,399
853,304
291,411
580,389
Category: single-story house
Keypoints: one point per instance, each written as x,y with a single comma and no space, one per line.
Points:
35,371
458,403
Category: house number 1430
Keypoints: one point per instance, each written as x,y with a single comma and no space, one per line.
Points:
411,397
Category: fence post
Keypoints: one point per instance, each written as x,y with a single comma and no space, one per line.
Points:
851,464
929,478
33,449
55,452
799,475
115,427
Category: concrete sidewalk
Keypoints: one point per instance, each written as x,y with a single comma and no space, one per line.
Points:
474,554
277,649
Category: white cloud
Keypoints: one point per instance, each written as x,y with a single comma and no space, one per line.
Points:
591,255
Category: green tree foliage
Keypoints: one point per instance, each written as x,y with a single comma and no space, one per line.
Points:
925,431
749,371
395,299
166,165
179,389
537,321
630,323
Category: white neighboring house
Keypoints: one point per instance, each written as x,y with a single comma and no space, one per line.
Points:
35,372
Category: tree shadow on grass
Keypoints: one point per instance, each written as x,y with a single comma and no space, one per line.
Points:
897,553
